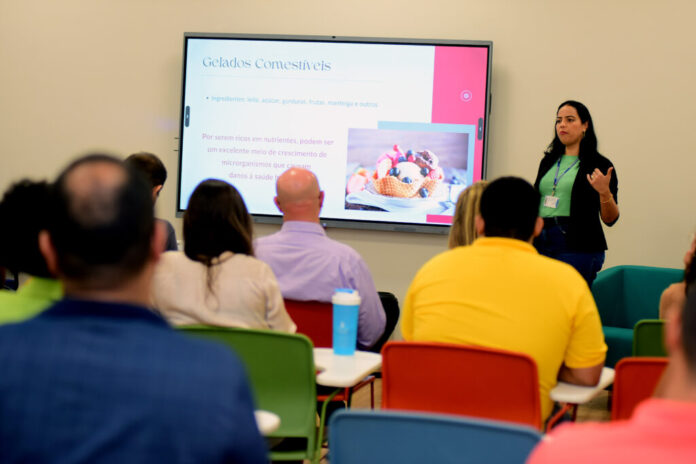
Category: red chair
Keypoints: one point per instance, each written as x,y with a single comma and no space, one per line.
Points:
635,380
315,320
459,379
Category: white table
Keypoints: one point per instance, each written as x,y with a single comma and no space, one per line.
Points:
576,394
572,395
266,421
344,371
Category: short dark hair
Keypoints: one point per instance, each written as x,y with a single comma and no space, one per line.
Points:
24,212
150,165
509,208
102,233
216,220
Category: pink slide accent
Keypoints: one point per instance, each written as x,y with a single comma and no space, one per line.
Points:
438,219
459,89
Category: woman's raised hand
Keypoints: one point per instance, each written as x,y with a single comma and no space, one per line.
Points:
599,181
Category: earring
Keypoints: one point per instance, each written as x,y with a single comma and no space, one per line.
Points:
583,134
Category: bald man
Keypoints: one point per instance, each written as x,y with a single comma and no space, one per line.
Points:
309,265
98,377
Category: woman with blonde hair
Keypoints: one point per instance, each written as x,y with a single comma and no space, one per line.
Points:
463,231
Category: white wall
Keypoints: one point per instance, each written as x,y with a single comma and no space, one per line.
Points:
104,74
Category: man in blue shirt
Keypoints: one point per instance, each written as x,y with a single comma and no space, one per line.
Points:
98,377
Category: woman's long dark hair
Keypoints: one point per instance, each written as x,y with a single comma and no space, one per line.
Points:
216,221
588,144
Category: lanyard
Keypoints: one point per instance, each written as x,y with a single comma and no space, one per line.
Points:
557,178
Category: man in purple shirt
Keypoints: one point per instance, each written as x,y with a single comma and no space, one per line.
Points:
309,266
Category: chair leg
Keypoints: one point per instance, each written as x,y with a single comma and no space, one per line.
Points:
552,421
322,418
372,395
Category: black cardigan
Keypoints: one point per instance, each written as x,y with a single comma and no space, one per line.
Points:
584,229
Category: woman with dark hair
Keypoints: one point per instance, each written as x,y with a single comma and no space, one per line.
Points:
578,187
217,281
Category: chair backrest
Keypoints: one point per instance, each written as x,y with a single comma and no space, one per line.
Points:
357,437
648,338
458,379
313,319
635,380
281,370
627,294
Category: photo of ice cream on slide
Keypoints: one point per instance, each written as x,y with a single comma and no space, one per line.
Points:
392,170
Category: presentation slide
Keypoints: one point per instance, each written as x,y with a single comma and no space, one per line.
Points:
393,132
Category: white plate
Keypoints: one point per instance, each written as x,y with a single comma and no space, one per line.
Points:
370,197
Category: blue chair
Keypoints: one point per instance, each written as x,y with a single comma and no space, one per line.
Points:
359,437
625,295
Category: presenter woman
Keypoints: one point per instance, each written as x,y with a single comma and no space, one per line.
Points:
578,187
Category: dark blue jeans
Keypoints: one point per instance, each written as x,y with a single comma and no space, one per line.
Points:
552,243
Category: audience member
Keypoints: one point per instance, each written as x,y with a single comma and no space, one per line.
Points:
500,293
153,168
661,428
463,230
309,265
217,280
23,212
98,377
673,297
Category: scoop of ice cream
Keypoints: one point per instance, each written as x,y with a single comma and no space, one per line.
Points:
426,159
408,172
356,183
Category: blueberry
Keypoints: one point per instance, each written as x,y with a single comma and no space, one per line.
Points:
410,153
402,159
423,192
424,171
394,172
406,180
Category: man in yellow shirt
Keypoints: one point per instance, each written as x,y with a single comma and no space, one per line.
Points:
500,293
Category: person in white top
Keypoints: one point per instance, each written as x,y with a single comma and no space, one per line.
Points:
216,280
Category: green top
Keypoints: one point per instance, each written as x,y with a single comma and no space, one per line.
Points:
29,300
563,189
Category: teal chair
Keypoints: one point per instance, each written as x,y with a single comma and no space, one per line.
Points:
625,295
649,339
281,370
359,437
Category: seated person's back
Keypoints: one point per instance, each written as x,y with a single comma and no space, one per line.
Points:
661,428
500,293
217,281
308,264
98,377
23,214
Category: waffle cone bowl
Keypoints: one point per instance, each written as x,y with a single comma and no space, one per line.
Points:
393,187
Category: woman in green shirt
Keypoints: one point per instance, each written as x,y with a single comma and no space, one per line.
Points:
578,187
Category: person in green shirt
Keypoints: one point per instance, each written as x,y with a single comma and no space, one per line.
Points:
23,213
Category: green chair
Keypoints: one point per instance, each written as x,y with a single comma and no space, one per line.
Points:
281,370
625,295
648,338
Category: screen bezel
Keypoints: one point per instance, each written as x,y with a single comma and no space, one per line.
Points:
334,222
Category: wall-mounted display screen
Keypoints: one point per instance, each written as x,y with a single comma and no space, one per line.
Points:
394,129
